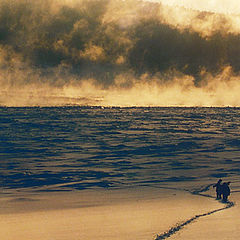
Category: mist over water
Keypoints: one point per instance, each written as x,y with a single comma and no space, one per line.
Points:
116,53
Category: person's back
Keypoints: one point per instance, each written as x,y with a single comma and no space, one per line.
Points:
225,191
218,187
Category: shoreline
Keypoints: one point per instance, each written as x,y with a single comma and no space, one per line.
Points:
135,213
220,225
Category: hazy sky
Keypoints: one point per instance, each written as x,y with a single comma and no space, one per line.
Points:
223,6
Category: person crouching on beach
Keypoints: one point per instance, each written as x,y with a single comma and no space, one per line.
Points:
218,187
225,191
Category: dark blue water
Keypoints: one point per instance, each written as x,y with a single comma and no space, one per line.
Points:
65,148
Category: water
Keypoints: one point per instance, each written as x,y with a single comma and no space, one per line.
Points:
66,148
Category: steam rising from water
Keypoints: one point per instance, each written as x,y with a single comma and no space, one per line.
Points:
117,53
220,6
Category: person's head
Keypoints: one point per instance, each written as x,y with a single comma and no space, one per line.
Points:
228,183
220,180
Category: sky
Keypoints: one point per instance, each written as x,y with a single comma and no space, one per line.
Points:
221,6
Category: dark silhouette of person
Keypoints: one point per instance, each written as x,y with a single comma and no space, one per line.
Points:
218,187
225,191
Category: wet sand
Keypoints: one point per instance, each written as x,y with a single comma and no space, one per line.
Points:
137,213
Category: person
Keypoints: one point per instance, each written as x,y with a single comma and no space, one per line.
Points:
218,187
225,191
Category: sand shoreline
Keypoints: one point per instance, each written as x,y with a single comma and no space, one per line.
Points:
134,213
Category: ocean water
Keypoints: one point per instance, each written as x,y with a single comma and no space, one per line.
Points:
69,148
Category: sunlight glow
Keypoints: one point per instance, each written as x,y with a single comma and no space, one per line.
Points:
220,6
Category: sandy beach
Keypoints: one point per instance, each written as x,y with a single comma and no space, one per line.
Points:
221,225
134,213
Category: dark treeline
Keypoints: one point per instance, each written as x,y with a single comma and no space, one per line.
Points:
47,35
